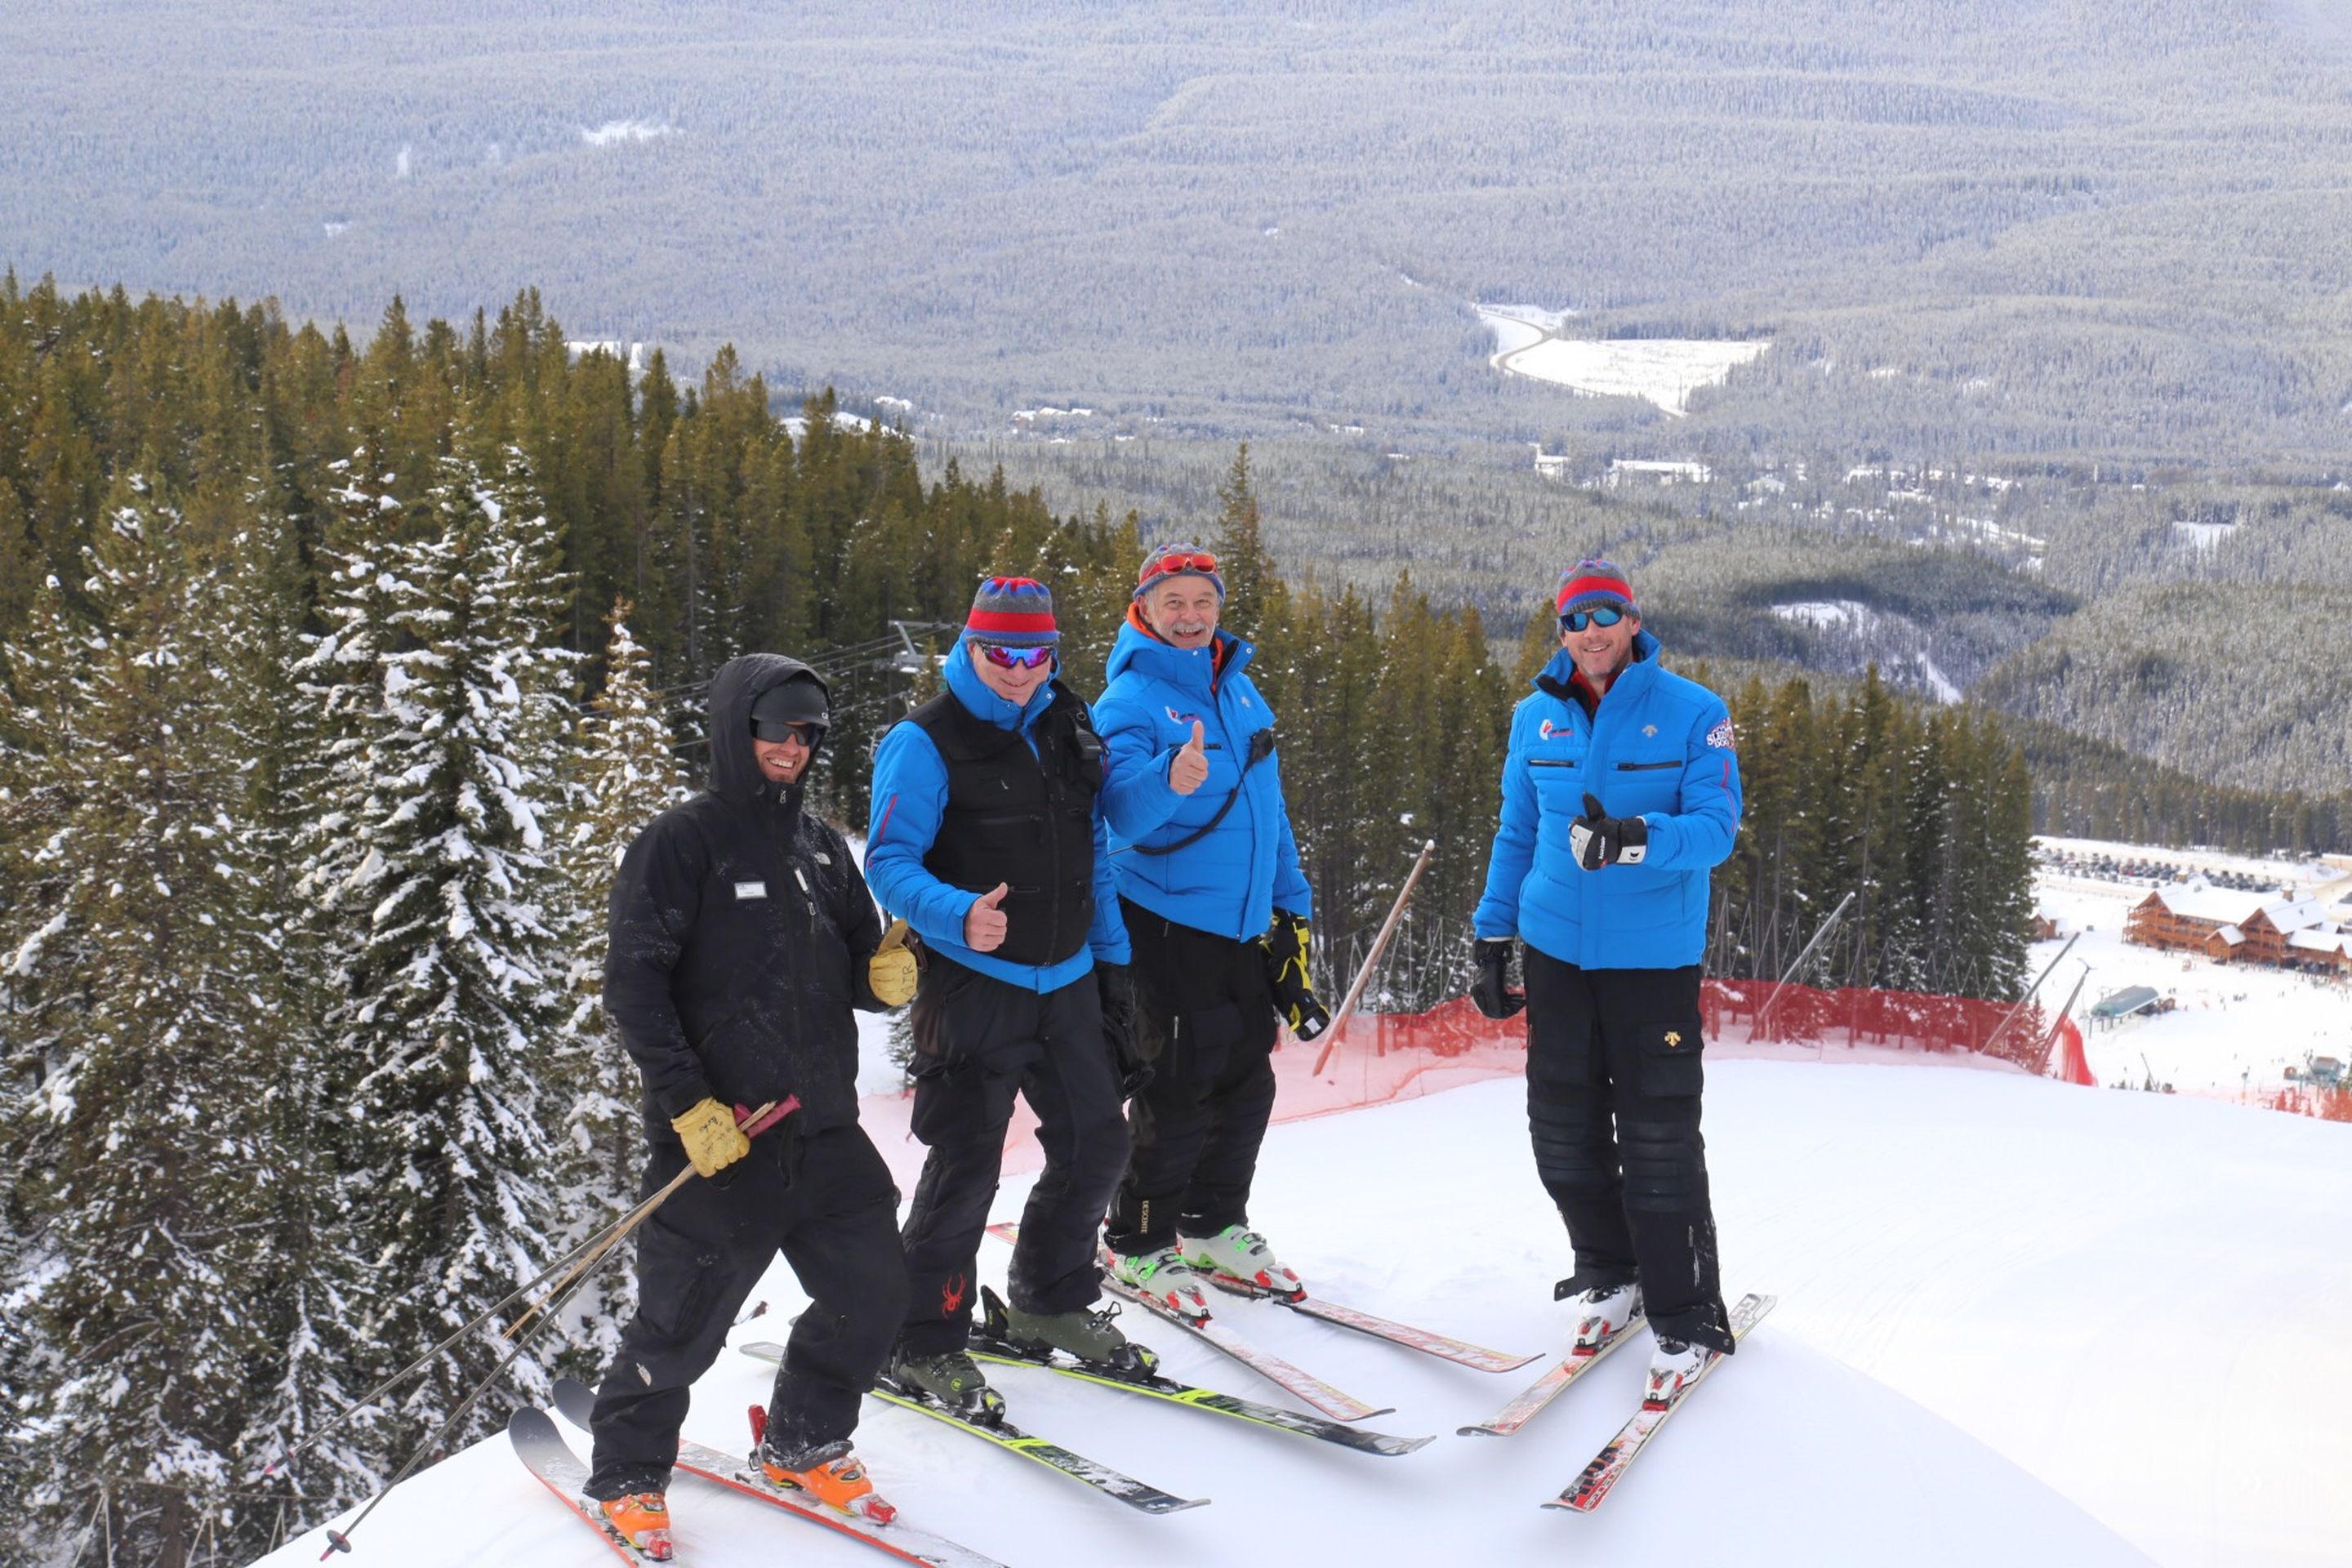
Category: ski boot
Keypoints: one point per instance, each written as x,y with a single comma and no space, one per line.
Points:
1089,1336
1163,1279
1241,1255
641,1521
953,1379
829,1473
1602,1312
1675,1366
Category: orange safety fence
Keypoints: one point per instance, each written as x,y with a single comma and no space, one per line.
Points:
1384,1058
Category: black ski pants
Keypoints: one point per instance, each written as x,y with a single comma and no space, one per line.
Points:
828,1203
978,1041
1614,1082
1204,1019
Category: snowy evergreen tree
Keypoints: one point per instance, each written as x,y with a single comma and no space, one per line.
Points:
628,773
453,989
151,1253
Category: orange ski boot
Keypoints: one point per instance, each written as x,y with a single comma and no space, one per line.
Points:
828,1472
641,1520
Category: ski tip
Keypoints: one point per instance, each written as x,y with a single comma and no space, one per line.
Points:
575,1401
1476,1432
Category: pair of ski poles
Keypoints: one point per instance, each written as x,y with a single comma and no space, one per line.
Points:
581,1260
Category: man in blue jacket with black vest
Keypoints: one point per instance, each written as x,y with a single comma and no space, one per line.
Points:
987,837
1217,905
1620,793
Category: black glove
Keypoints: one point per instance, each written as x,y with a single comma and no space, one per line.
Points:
1114,986
1598,839
1491,991
1285,942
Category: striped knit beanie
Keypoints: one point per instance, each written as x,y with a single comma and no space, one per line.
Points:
1178,561
1592,586
1017,612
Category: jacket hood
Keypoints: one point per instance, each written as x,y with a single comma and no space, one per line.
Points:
1561,666
973,692
1196,667
734,772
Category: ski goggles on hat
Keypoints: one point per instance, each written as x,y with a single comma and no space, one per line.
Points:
1605,615
1177,565
776,732
1004,657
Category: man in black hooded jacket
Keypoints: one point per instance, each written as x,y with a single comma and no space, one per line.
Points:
741,937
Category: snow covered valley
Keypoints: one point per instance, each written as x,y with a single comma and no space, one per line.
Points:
2019,1322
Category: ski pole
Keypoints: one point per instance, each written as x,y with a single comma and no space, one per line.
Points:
752,1122
635,1215
405,1373
1380,945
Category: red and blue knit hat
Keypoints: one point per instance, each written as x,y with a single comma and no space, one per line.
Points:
1592,586
1016,612
1178,561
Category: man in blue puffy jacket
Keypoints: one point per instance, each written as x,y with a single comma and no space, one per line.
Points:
987,836
1620,793
1216,906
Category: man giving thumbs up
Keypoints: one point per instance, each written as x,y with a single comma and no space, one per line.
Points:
987,837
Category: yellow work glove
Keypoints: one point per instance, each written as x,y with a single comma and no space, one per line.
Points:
891,970
712,1139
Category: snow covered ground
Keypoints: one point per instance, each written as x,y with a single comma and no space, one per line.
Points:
1663,371
2019,1322
2236,1029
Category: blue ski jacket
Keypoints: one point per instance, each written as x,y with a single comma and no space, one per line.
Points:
1659,747
910,794
1231,879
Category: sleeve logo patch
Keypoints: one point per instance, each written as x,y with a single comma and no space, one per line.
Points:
1720,736
750,890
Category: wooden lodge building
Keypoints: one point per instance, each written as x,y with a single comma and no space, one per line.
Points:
2231,927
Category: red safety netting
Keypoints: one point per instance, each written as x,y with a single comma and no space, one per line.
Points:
1383,1058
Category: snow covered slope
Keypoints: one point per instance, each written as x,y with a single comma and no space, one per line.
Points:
2019,1322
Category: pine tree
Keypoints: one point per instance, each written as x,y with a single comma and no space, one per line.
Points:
151,1250
1254,591
627,774
455,987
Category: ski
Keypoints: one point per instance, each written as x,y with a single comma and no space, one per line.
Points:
541,1447
1608,1465
990,1344
1531,1399
576,1400
1476,1357
1086,1472
1339,1406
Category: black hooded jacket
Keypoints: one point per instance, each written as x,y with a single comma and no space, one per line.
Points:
740,932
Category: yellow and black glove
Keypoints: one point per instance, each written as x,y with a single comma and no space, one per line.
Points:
891,973
1285,971
712,1139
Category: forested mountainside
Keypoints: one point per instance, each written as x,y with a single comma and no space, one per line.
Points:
1982,228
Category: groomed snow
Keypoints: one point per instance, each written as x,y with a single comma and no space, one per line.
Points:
2015,1316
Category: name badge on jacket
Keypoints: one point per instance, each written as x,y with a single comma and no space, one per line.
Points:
750,890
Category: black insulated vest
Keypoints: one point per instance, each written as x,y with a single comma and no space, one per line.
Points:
1023,819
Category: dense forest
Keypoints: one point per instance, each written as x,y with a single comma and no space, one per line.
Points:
1974,227
333,678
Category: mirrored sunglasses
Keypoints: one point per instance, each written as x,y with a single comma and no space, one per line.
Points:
1576,620
1004,657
